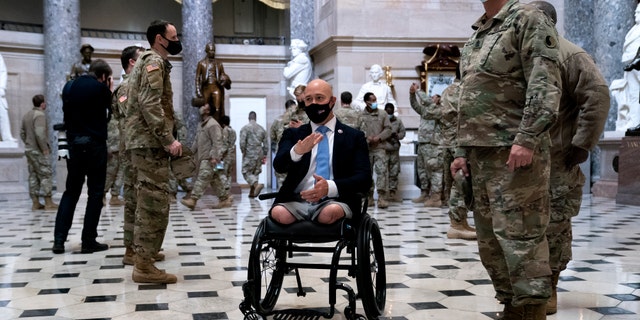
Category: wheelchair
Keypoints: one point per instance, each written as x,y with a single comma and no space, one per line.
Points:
272,256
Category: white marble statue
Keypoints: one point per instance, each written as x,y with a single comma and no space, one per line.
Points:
5,124
626,91
377,86
299,70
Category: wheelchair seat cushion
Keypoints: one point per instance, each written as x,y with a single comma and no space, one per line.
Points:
308,231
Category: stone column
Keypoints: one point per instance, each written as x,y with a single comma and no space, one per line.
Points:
578,23
61,45
197,31
302,13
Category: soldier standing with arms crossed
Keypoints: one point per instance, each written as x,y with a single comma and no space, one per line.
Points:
509,96
151,142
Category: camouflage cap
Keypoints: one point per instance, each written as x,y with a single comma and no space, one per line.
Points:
464,186
184,166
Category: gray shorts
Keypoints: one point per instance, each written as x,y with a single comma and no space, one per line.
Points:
310,211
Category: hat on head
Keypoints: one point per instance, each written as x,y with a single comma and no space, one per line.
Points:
85,46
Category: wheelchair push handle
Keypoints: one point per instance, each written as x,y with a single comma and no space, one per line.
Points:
265,196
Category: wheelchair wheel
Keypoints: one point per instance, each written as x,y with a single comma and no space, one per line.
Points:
371,276
266,269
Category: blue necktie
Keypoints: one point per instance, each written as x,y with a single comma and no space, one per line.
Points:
322,157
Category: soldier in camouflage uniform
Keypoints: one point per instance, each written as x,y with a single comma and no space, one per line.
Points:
209,149
392,147
347,114
429,154
254,148
35,136
114,168
296,116
180,134
149,138
275,133
583,110
229,147
509,97
377,128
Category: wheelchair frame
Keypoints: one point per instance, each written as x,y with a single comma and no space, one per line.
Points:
274,244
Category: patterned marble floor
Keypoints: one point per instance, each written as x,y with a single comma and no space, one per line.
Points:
429,276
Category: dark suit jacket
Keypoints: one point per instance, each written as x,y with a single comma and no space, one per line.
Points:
350,164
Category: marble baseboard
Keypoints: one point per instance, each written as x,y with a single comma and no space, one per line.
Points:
13,172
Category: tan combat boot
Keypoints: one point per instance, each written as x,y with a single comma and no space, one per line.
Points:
115,201
466,225
145,272
129,257
510,312
228,202
49,205
433,201
382,203
421,198
535,312
458,231
252,188
552,304
189,203
257,189
36,203
394,196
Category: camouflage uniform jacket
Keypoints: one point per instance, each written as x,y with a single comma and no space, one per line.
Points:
149,109
118,107
375,123
397,133
253,140
229,143
33,131
347,115
583,111
113,135
431,114
208,142
510,87
275,132
295,113
449,110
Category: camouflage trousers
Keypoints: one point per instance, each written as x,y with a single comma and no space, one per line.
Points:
457,208
207,175
559,232
129,193
182,183
429,166
40,173
152,193
511,213
114,174
251,168
229,163
379,165
393,168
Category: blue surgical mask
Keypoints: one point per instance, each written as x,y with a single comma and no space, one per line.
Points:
374,106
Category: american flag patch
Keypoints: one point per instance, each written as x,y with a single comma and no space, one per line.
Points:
122,99
152,67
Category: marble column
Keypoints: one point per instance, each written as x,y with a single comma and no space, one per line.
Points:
61,45
579,22
302,13
197,31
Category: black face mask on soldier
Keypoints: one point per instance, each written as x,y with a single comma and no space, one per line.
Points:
174,47
318,113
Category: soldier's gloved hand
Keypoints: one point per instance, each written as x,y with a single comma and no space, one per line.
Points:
576,156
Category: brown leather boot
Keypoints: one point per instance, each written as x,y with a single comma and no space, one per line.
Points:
115,201
535,312
129,257
433,201
552,304
49,205
145,272
36,204
458,231
421,198
189,203
511,313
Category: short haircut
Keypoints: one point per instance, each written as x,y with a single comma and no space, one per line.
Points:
389,105
157,27
346,97
252,115
129,53
367,96
99,68
37,100
299,89
547,8
86,46
290,103
225,120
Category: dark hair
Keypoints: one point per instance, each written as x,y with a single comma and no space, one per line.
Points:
225,120
252,115
99,68
129,53
346,97
389,105
157,27
37,100
367,96
290,103
86,46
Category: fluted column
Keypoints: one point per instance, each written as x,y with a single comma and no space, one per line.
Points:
61,45
197,31
302,26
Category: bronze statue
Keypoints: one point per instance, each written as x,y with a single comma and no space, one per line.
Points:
211,81
82,67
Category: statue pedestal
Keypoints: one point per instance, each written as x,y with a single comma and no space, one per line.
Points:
629,172
607,186
13,172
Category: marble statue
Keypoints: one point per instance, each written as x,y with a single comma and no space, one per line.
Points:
380,88
82,67
211,81
5,124
626,91
298,71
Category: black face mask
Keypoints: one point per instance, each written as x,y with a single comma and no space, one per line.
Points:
318,113
174,47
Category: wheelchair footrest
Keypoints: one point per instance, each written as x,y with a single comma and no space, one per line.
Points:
299,314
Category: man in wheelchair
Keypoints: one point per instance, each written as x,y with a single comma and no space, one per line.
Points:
327,164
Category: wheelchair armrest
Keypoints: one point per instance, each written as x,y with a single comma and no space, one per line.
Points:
265,196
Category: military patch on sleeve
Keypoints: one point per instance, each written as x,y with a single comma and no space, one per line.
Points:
551,42
122,99
152,67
